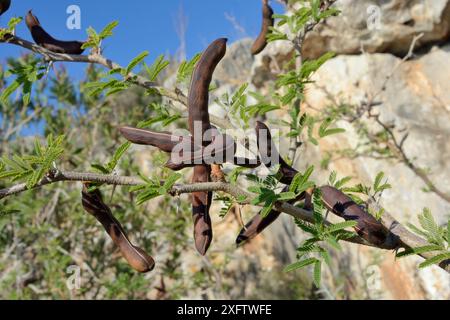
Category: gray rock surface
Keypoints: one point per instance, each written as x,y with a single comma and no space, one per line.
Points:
380,26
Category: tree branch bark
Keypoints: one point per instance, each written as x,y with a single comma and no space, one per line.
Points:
403,237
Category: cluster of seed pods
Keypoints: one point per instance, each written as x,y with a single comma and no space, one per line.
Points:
336,201
201,157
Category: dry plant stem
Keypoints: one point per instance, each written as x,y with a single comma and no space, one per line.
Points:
406,239
176,95
405,58
397,149
396,146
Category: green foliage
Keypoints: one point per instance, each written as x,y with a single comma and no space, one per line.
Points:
300,264
338,184
95,39
373,191
162,115
12,24
239,110
299,19
34,167
186,69
315,250
378,185
156,68
432,232
301,182
235,173
267,195
324,131
228,202
435,260
437,236
261,107
27,72
154,188
110,86
112,164
135,62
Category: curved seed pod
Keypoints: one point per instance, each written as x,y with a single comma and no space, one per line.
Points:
42,38
198,113
201,202
269,153
267,22
218,152
258,223
255,226
201,79
163,141
4,6
135,256
342,205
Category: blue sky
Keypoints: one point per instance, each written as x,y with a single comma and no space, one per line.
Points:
144,24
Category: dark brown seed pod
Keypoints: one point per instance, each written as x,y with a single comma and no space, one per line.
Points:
135,256
164,141
201,79
42,38
267,22
218,151
342,205
4,6
269,153
198,100
255,226
258,223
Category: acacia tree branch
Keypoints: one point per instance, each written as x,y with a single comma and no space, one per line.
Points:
400,236
95,58
176,190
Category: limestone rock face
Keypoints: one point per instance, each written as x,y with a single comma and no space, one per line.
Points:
380,26
416,99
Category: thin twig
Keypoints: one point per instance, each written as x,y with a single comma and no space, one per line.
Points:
403,238
175,95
